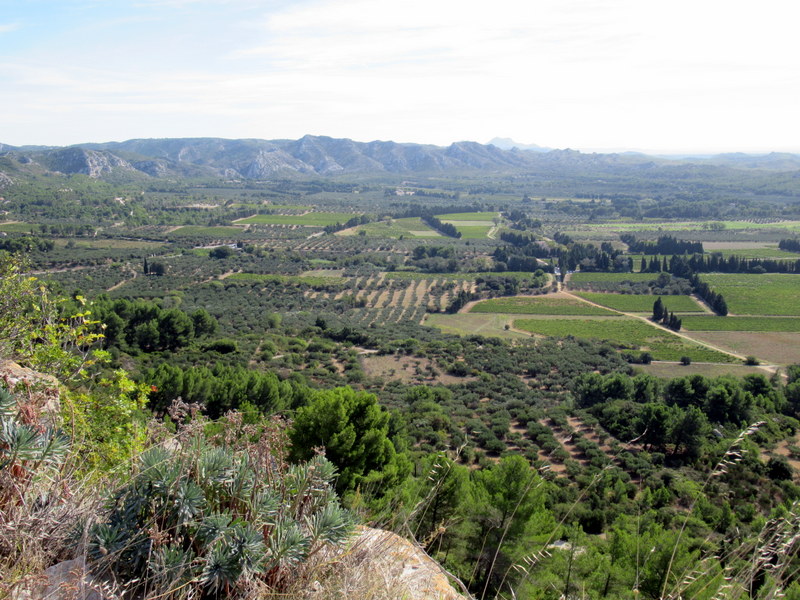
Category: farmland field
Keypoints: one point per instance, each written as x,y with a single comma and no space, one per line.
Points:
326,281
330,273
197,231
776,347
540,305
454,276
581,277
312,219
670,369
107,243
641,302
18,227
627,332
473,232
492,325
772,252
692,225
394,228
714,323
472,216
761,294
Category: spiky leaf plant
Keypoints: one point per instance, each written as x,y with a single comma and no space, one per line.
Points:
204,520
26,450
40,498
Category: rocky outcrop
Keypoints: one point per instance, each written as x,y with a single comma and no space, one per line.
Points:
67,580
40,390
392,567
87,162
322,155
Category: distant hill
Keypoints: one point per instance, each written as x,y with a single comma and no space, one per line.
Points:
326,156
508,144
774,161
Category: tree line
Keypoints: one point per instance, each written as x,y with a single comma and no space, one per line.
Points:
666,244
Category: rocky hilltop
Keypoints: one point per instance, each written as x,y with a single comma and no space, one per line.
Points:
310,155
253,159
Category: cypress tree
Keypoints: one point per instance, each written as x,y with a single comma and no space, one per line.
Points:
658,309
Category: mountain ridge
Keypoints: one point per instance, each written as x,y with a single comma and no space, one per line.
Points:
250,158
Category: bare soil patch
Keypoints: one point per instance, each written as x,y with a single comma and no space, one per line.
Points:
782,449
408,369
769,346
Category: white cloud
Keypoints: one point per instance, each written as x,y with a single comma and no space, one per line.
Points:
580,73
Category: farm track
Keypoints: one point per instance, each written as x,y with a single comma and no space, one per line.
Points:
120,283
706,308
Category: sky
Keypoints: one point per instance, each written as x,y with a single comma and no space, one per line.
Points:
681,76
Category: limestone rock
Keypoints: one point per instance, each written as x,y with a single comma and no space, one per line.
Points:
400,567
39,389
67,580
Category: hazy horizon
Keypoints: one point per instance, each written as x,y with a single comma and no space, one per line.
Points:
677,78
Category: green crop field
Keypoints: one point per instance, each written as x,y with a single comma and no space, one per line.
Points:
395,228
540,305
490,325
642,303
19,227
473,232
312,219
757,294
627,333
714,323
471,216
215,232
611,277
774,252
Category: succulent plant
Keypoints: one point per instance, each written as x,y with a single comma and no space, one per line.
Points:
205,519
